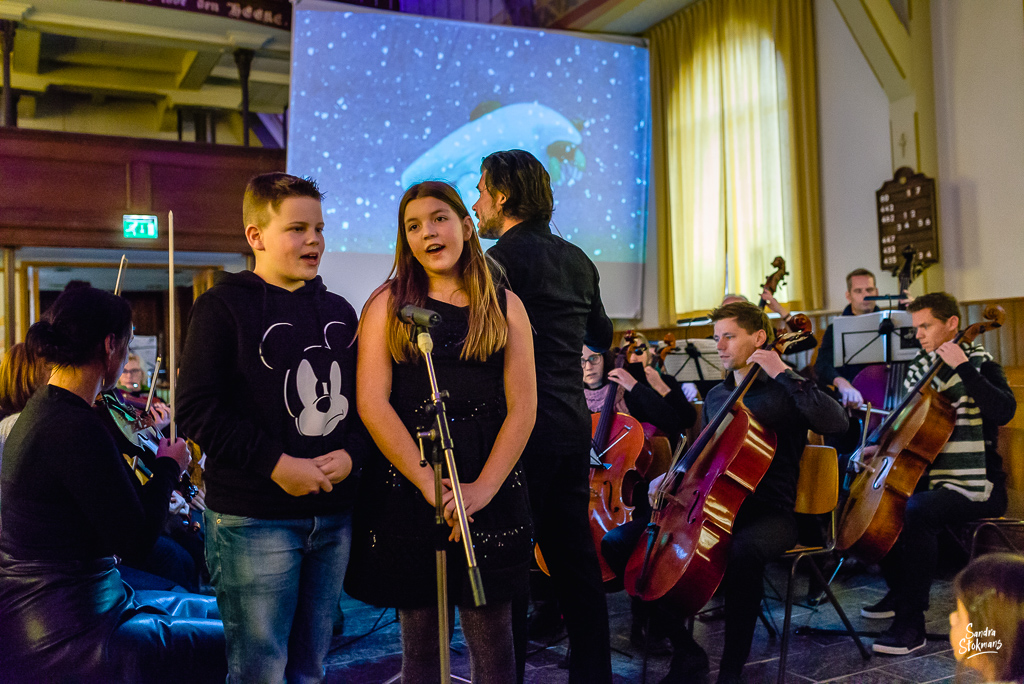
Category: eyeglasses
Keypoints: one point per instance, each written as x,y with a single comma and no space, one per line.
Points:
640,349
592,360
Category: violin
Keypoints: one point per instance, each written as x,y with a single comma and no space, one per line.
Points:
798,323
138,439
908,441
683,551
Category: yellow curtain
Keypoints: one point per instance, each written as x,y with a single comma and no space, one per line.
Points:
735,151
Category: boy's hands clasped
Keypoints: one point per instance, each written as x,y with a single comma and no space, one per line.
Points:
301,476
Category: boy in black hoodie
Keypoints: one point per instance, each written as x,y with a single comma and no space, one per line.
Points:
267,388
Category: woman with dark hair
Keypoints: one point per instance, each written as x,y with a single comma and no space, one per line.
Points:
483,353
643,392
987,627
69,507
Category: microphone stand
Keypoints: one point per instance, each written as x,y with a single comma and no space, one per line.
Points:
442,443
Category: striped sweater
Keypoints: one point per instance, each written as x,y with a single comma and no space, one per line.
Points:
960,465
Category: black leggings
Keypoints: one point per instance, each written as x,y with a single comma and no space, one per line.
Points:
488,633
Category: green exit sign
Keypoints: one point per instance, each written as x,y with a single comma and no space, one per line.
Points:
140,226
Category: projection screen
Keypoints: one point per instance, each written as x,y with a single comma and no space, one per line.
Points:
380,101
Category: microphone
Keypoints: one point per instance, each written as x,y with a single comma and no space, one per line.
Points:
417,316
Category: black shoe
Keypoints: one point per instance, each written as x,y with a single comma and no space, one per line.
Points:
883,610
900,639
816,598
545,622
689,666
729,678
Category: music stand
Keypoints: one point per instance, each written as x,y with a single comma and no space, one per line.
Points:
880,337
696,361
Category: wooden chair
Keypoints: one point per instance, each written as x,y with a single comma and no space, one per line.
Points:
817,493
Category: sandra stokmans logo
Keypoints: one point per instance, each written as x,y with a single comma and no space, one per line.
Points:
976,643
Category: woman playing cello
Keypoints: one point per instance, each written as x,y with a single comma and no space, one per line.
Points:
646,394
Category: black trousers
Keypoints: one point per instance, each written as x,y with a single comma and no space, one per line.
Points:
909,568
559,488
761,534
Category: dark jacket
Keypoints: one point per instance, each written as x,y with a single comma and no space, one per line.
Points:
558,285
67,494
266,371
789,406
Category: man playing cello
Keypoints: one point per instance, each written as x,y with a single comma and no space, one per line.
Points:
966,480
787,404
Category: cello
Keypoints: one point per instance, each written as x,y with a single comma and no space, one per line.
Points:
683,551
908,441
620,458
796,322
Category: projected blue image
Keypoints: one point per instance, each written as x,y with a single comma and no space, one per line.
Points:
380,102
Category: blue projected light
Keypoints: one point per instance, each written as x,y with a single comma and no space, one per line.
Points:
380,102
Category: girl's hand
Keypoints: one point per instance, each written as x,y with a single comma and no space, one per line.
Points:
475,496
426,487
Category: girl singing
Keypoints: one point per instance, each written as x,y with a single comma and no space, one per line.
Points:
483,354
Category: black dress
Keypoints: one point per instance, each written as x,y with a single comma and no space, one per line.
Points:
393,562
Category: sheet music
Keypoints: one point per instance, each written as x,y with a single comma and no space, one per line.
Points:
684,368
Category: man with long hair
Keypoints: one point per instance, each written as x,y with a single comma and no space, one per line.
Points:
558,284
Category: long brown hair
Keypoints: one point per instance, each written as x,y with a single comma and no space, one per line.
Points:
408,284
21,374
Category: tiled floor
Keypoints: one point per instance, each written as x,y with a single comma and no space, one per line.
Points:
376,658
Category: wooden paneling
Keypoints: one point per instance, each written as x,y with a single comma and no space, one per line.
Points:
1011,447
70,190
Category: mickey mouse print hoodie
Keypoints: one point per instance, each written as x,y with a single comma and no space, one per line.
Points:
266,371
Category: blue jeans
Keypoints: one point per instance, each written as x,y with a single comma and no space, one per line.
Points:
278,584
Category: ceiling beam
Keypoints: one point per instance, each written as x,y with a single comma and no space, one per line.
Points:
145,85
270,41
26,51
883,40
196,67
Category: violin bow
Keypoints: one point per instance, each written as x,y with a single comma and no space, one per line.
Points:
120,271
172,319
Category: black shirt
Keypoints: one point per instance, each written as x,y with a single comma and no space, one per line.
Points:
559,287
789,406
266,371
67,493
